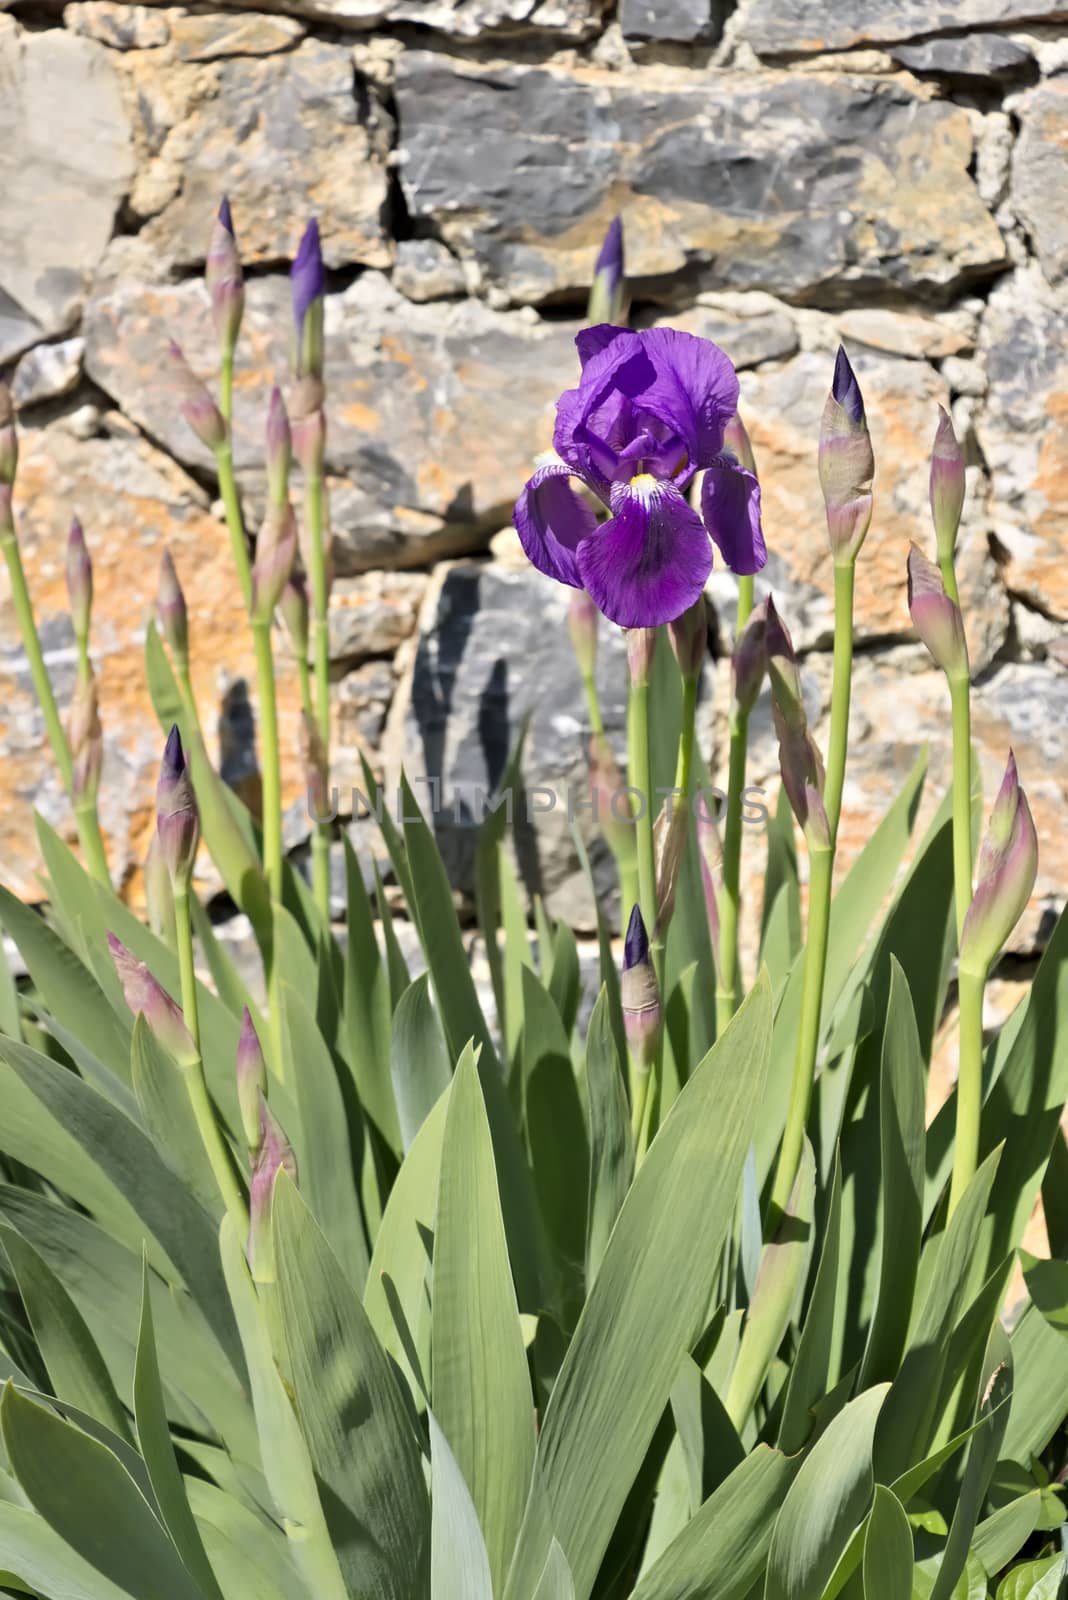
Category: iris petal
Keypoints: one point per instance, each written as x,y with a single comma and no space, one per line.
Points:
649,563
693,388
552,521
730,505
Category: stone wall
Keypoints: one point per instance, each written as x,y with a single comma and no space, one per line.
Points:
790,173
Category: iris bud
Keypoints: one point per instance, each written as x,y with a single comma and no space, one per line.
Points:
294,608
737,442
251,1081
643,1016
145,997
177,820
749,660
86,739
279,451
171,612
612,810
936,618
582,617
276,549
79,580
308,283
9,444
669,847
846,463
316,769
1008,866
800,762
225,280
194,401
608,292
159,893
947,486
641,647
274,1154
689,638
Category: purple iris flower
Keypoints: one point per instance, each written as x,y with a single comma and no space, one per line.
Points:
649,412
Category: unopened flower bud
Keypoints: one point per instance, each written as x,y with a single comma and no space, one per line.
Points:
800,762
276,549
159,893
846,464
251,1081
279,450
783,674
1008,866
274,1154
608,291
145,997
936,618
9,444
612,809
177,821
86,739
582,620
738,443
171,611
643,1015
79,580
308,424
689,638
225,280
308,283
316,769
749,660
669,847
641,647
294,608
947,486
194,401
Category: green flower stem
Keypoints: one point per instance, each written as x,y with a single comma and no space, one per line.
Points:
87,822
594,704
629,893
321,657
224,464
960,699
203,1111
31,643
638,1105
189,699
969,1084
821,874
949,578
730,893
226,386
684,765
270,760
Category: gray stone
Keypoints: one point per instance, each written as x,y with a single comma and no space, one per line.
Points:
237,126
47,372
371,615
206,38
464,19
123,27
1038,171
681,21
65,163
426,270
783,27
805,185
972,55
427,446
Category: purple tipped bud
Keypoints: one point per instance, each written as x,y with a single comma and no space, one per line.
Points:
737,442
308,424
710,849
225,280
177,821
947,486
279,451
9,444
669,847
643,1016
689,638
170,610
641,647
146,998
1008,866
79,580
783,675
611,800
750,660
159,893
936,618
274,1154
308,281
294,608
582,620
846,464
608,292
86,739
276,550
194,402
316,769
251,1081
800,762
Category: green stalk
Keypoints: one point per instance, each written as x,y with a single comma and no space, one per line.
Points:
593,702
959,694
730,893
87,822
31,643
684,765
196,1087
969,1084
270,761
224,464
821,874
321,656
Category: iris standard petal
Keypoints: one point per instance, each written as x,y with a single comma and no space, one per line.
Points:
649,563
552,521
694,388
591,341
730,505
